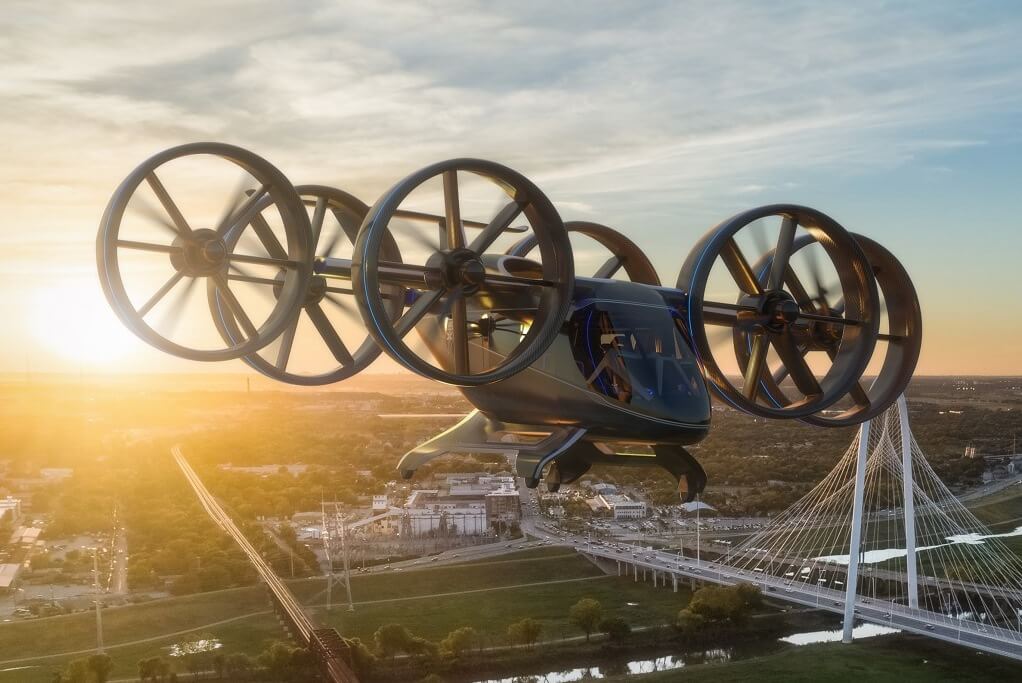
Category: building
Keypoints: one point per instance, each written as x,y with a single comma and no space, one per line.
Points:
10,510
503,506
51,474
25,535
380,503
8,573
463,503
429,512
602,489
623,507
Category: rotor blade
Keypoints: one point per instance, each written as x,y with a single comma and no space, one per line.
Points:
144,207
609,268
180,224
235,198
812,257
160,293
235,307
496,227
452,211
171,317
270,242
346,228
858,394
797,367
740,269
318,214
329,334
757,359
779,262
286,342
344,307
759,238
415,312
412,233
798,290
459,336
244,214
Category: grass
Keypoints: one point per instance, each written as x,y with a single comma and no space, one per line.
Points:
404,597
37,637
412,598
897,659
490,612
249,634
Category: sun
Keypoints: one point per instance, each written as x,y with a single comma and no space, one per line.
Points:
73,321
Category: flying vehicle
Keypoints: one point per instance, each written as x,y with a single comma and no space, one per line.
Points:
465,273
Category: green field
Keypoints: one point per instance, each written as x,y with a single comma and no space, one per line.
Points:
487,594
895,659
491,610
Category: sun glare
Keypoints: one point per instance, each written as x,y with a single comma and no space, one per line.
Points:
73,321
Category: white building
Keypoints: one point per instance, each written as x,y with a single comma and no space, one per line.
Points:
429,512
622,506
380,503
10,509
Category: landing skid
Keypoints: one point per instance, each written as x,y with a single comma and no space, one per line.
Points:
564,452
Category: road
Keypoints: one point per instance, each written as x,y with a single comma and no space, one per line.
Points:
991,639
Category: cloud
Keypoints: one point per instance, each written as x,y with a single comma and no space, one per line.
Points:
646,116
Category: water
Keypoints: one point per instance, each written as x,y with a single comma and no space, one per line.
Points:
878,556
195,646
863,631
637,666
628,664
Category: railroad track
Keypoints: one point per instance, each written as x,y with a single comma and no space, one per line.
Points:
326,643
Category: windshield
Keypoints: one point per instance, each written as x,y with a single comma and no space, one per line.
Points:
634,353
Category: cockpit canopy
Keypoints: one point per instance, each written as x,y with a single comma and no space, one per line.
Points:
633,352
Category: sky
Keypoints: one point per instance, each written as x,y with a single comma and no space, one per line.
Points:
903,121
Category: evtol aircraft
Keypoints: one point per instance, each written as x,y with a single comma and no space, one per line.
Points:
778,311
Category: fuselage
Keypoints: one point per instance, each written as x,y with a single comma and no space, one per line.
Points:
621,368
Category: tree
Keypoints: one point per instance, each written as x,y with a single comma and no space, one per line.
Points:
525,632
277,659
689,623
586,614
616,628
77,671
718,604
161,668
460,640
185,584
391,639
100,665
219,664
751,595
362,658
237,665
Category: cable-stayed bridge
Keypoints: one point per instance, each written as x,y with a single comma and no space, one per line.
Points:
882,539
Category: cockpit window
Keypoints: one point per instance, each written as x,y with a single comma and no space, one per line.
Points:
634,353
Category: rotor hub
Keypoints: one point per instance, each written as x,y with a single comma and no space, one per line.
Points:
775,310
316,291
458,269
204,252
